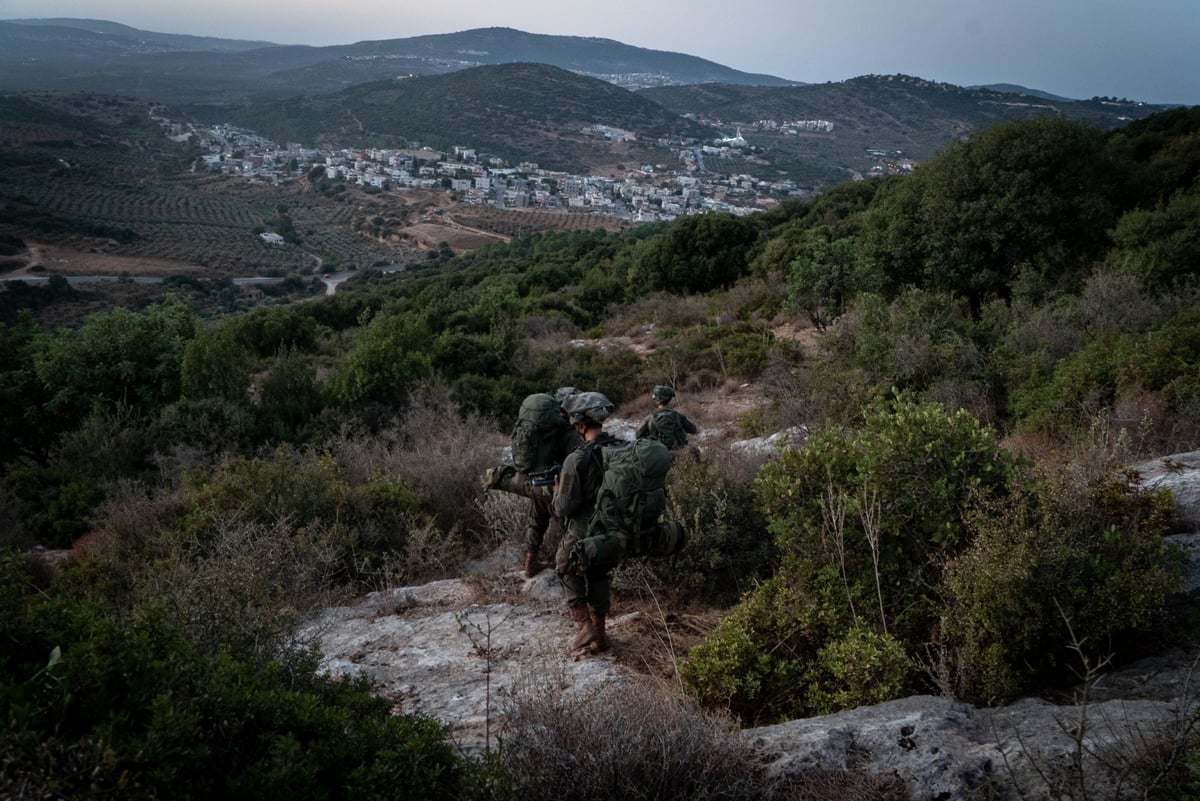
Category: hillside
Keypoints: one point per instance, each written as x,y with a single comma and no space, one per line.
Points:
872,120
478,88
520,112
99,56
816,135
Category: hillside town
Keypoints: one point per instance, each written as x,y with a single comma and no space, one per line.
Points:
646,193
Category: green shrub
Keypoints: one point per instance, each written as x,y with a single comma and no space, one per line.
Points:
117,357
861,668
96,705
289,396
755,664
210,424
738,350
613,370
1091,380
1063,564
920,341
390,356
55,505
884,506
865,521
246,547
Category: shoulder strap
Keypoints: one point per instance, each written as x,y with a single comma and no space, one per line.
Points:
591,450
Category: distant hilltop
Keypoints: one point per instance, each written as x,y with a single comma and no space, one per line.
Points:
109,57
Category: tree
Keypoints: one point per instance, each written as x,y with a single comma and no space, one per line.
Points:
214,365
699,253
389,356
289,394
1160,246
1035,193
22,425
826,274
117,357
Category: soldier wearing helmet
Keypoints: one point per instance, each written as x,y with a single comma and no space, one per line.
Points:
666,424
540,520
588,596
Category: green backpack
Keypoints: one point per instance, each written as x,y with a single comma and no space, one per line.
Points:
666,426
630,504
538,434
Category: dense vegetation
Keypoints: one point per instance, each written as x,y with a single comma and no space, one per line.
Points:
996,336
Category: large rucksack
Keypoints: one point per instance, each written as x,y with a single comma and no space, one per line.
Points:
630,505
538,434
666,426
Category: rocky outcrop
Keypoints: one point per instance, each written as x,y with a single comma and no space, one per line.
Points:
944,749
455,649
1180,473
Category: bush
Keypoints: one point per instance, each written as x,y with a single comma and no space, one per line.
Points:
1092,380
884,506
97,705
758,662
247,547
627,741
921,341
863,667
739,350
55,505
865,521
1064,563
438,451
613,370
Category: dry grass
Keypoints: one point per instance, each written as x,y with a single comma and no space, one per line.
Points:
62,260
652,641
634,741
628,741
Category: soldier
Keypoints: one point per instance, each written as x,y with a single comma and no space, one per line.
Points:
558,439
574,501
665,424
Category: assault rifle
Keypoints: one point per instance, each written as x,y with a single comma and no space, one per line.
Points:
545,478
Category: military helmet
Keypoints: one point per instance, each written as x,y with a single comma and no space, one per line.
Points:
562,393
587,406
663,394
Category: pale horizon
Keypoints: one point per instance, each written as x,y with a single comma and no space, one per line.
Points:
1072,48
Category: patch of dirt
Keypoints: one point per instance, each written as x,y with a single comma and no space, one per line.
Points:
431,235
800,331
59,260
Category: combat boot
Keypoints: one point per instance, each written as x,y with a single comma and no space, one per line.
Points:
585,633
533,565
600,643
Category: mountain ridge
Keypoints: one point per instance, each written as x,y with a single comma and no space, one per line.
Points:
393,91
109,57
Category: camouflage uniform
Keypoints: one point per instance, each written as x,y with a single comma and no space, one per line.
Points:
574,501
541,519
686,424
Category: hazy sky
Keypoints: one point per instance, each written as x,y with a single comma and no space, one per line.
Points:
1145,50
